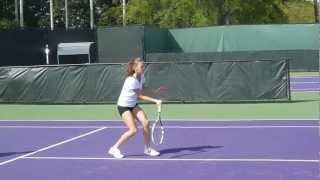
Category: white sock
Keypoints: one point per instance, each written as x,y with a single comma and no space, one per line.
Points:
146,146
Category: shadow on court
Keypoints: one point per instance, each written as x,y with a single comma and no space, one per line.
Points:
190,150
4,154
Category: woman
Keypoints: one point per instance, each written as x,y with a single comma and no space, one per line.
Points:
129,109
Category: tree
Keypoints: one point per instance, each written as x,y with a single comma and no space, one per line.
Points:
250,12
182,13
165,13
141,11
195,13
299,11
111,14
168,13
5,23
36,13
7,14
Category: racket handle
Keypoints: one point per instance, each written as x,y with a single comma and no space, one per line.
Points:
159,106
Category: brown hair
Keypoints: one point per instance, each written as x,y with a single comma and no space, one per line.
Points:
132,65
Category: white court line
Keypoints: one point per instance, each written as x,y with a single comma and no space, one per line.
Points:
305,76
52,146
172,159
310,89
222,127
54,127
230,120
169,119
238,127
305,82
167,127
298,91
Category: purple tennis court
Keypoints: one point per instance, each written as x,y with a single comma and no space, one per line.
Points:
224,150
305,83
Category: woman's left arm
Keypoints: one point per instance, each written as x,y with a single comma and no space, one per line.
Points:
153,90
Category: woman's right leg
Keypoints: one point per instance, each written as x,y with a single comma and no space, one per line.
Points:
129,120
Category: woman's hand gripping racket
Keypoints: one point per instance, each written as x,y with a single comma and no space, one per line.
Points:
157,130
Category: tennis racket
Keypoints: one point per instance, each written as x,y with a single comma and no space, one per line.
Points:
157,130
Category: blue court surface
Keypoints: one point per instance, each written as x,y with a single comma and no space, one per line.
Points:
220,149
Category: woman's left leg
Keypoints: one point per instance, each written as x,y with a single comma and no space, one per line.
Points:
141,116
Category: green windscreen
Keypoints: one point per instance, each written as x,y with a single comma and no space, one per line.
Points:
185,82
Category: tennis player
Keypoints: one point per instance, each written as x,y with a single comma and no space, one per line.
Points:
129,109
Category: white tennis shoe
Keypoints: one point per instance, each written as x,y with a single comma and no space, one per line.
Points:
151,152
115,152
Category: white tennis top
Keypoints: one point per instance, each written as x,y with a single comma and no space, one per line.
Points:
128,98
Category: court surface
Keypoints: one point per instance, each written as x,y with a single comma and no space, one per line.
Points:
219,149
305,83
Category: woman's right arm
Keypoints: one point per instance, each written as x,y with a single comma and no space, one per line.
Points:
147,98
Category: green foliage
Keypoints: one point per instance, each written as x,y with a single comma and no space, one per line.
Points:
195,13
7,14
250,12
5,24
141,12
164,13
182,13
299,11
111,16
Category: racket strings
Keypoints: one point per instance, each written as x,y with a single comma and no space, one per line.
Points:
157,132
